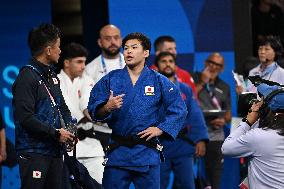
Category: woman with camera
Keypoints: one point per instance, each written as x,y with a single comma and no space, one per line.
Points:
260,136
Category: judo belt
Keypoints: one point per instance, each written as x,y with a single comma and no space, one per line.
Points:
182,135
130,141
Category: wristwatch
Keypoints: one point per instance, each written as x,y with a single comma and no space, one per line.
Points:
57,134
247,121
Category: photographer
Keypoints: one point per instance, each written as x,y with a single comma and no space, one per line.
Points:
261,136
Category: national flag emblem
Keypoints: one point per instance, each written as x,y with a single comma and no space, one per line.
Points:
36,174
149,90
55,81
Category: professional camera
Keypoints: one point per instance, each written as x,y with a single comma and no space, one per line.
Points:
247,99
245,102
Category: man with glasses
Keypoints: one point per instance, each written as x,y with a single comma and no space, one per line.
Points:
214,94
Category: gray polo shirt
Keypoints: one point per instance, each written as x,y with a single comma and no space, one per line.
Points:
266,149
221,91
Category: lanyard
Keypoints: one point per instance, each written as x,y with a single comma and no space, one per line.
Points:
214,100
53,103
266,72
104,64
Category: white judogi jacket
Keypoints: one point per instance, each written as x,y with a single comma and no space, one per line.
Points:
76,95
96,70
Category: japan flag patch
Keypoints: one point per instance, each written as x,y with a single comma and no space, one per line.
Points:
36,174
149,91
55,81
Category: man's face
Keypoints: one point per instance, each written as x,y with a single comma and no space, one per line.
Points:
75,66
167,66
54,51
134,54
110,41
266,53
215,65
168,47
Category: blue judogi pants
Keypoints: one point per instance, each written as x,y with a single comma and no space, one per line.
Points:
182,168
121,178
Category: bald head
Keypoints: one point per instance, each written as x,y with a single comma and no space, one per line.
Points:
110,41
216,57
215,64
109,29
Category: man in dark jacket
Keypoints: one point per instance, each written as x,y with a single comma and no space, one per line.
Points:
40,113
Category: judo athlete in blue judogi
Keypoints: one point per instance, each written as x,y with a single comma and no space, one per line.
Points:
191,139
129,100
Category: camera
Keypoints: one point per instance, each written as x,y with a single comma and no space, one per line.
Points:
247,99
245,102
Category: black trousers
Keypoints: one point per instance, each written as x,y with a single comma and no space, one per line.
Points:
213,163
40,172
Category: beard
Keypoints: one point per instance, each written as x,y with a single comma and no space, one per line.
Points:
111,53
167,74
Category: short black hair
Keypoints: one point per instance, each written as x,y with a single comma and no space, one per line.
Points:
160,41
163,54
69,51
144,40
73,50
42,36
275,43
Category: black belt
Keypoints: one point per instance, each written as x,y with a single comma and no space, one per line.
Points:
182,135
130,141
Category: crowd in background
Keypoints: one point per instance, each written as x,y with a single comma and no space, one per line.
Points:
205,95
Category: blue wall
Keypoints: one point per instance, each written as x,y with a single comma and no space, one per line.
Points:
16,18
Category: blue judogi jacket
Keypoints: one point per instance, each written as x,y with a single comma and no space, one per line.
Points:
139,111
195,123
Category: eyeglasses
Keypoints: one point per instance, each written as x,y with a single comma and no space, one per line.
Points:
219,65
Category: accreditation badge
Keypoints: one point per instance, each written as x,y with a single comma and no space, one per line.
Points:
149,91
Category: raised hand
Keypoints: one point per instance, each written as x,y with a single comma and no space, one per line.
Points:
114,102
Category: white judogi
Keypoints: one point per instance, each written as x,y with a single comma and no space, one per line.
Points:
76,95
98,68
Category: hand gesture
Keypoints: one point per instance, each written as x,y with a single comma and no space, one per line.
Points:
150,132
114,102
253,114
205,75
200,149
3,155
218,123
66,136
239,89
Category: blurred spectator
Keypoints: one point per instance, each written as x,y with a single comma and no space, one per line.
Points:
267,19
76,91
191,139
269,53
168,44
214,94
111,58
